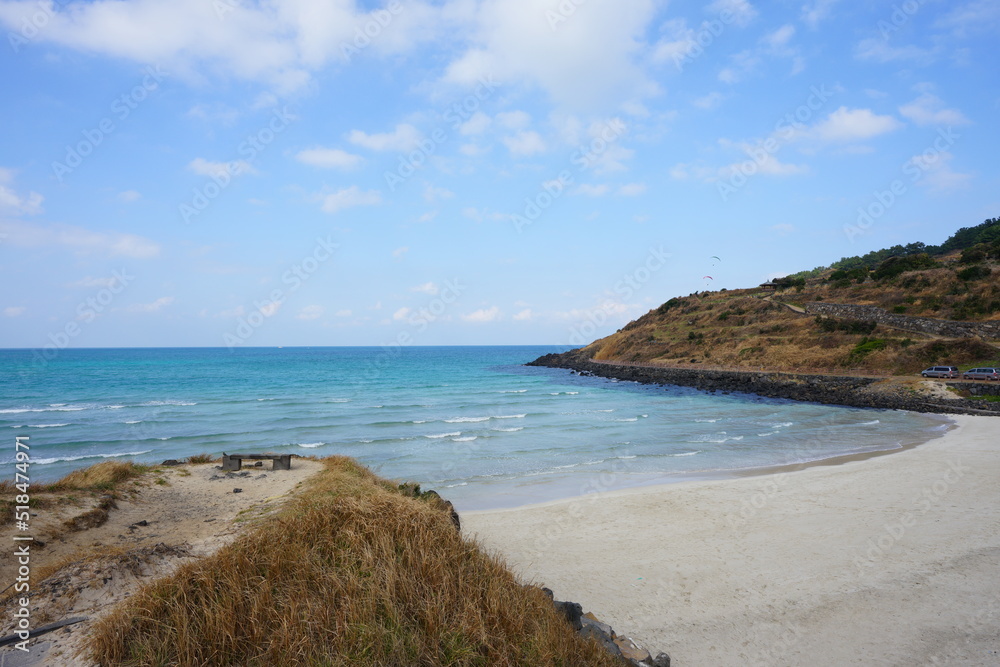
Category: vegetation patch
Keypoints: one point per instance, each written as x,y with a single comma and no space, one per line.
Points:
350,572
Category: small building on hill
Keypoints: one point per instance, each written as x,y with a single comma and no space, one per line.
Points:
769,286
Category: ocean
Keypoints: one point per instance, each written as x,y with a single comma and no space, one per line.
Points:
473,423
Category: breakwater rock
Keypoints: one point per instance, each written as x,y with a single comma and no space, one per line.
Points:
852,391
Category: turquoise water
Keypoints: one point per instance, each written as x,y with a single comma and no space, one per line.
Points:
471,422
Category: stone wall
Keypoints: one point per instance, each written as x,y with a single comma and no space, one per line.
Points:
924,325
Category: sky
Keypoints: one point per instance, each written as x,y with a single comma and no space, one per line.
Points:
234,173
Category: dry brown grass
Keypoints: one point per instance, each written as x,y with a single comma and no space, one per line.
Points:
106,476
201,458
351,572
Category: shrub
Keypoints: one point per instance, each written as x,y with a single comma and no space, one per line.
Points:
899,309
974,273
893,266
866,347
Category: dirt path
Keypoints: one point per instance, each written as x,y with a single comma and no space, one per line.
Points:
175,515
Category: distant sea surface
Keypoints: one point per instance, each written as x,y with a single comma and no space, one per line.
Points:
470,422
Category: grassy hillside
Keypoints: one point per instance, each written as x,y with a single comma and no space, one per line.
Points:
751,328
352,571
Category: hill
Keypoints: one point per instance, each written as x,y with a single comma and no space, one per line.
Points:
907,291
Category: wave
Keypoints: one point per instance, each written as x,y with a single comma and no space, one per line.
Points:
310,445
871,423
571,393
452,486
39,425
707,421
339,400
444,435
15,411
468,438
88,456
521,416
513,391
509,430
687,453
782,424
134,421
464,420
628,419
764,435
167,402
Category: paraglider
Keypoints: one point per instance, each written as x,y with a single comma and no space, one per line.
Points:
716,257
709,277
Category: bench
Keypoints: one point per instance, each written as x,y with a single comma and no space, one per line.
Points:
235,461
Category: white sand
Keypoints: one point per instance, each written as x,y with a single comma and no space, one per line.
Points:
893,560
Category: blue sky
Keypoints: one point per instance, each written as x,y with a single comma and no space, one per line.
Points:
240,173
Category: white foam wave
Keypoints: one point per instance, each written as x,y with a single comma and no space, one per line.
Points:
571,393
688,453
88,456
15,411
420,421
40,425
707,421
782,425
466,420
764,435
521,416
509,430
452,486
444,435
468,438
513,391
311,445
113,407
339,400
134,421
871,423
628,419
168,402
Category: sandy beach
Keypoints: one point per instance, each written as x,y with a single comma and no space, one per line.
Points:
893,560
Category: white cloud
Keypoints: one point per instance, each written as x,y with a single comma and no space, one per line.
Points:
129,196
78,239
593,190
678,42
311,312
816,12
879,50
513,120
270,308
215,112
779,38
204,167
928,109
743,12
329,158
632,189
433,194
401,315
709,101
280,44
11,203
483,315
845,125
14,311
937,174
477,124
525,143
522,41
524,315
426,288
348,198
399,252
150,307
403,138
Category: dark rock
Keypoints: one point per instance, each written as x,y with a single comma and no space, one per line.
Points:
573,612
590,619
237,490
661,660
141,523
602,638
171,462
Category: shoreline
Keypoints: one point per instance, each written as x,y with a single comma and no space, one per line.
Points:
887,560
845,390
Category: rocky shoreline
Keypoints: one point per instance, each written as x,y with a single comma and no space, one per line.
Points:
851,391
